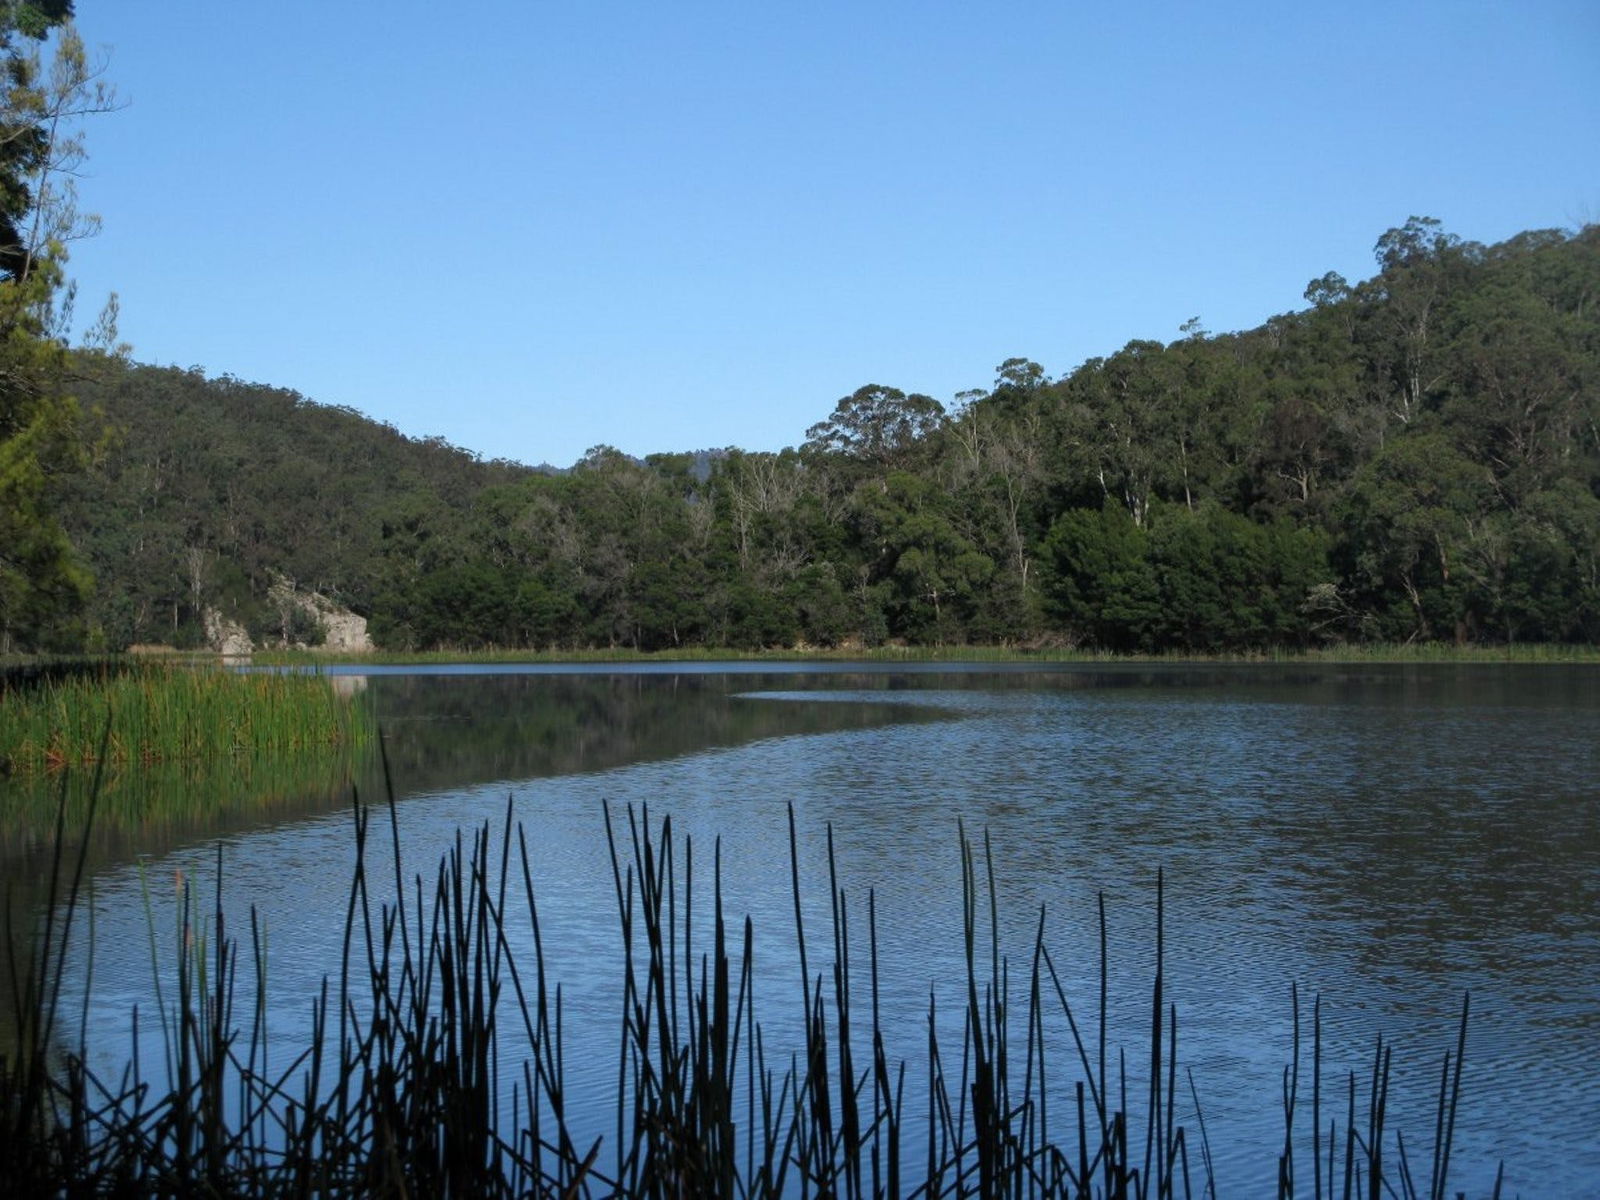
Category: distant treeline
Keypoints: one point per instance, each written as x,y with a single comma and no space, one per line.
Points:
1412,457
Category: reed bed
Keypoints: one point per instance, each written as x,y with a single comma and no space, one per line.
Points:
400,1090
169,714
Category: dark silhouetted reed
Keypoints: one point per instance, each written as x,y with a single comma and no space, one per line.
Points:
399,1091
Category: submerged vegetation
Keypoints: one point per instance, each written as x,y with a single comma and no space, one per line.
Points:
402,1088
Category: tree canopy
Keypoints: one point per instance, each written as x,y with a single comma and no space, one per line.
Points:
1412,456
43,437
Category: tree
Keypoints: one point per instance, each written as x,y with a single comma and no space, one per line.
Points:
930,576
1099,580
1125,419
24,138
42,436
1244,489
1228,582
1518,390
1409,514
1419,262
994,463
878,425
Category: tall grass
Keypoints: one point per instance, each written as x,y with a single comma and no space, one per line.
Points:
168,714
397,1092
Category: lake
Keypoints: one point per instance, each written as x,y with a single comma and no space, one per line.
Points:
1389,837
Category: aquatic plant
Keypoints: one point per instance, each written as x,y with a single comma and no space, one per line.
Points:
396,1091
163,713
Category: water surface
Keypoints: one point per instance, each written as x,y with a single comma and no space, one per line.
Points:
1387,837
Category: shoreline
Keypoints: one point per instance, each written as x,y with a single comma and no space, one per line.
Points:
1426,653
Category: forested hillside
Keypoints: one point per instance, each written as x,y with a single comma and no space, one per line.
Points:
1414,456
209,489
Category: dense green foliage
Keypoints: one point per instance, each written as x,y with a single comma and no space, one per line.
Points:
42,435
1409,458
213,488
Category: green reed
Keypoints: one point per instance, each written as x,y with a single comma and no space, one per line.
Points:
1555,653
169,714
396,1091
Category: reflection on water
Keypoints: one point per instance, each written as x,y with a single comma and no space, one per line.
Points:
1387,836
139,807
449,730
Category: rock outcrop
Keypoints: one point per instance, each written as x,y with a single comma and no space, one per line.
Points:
309,620
342,630
226,636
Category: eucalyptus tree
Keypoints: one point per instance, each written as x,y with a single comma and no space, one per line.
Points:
786,518
1420,266
1315,421
1123,418
995,462
1520,389
760,495
880,426
1406,520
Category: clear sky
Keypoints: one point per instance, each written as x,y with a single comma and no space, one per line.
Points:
533,227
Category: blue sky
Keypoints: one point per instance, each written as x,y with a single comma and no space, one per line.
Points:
534,227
